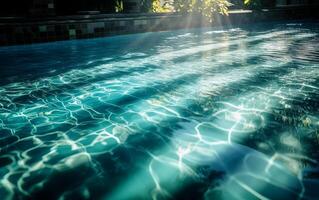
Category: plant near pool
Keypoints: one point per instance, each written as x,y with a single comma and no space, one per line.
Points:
206,8
119,6
253,4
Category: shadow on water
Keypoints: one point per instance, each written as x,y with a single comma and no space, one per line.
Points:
9,74
41,60
255,81
238,88
130,157
55,90
116,107
152,139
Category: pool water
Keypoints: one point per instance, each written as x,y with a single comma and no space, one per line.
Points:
223,113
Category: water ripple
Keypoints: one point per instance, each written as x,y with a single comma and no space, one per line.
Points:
191,114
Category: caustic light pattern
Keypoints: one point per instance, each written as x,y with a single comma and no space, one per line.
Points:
198,114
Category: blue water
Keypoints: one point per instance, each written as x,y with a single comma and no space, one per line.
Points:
223,113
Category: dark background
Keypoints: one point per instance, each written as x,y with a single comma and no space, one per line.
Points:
70,7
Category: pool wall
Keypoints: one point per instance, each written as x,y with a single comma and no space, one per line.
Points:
36,30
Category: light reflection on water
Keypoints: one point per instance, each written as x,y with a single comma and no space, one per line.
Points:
197,114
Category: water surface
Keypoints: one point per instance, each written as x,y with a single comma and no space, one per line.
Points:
223,113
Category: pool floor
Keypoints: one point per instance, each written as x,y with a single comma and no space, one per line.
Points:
223,113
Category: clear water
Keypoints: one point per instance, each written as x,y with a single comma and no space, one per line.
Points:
194,114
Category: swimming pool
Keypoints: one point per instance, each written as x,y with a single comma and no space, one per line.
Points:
224,113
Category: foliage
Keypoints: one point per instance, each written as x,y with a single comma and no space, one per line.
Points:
253,4
119,6
206,8
159,6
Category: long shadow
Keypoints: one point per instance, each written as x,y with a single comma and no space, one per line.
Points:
42,94
31,62
234,89
230,90
237,88
19,73
69,58
151,139
97,184
134,151
115,107
70,53
130,155
58,89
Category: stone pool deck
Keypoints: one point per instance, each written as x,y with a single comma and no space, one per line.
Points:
15,31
